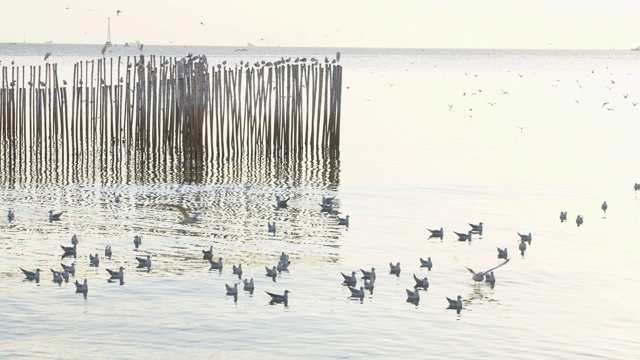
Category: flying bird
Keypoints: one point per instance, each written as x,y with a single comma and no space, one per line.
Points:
479,276
186,218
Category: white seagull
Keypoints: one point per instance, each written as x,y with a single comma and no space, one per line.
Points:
57,277
276,298
107,251
237,270
525,237
350,279
54,217
216,265
579,220
357,293
563,216
344,221
281,203
522,247
271,227
421,283
186,218
477,228
283,266
116,275
70,268
413,296
137,241
464,237
273,272
232,290
144,262
94,260
328,200
248,285
502,253
426,263
394,269
284,257
479,276
369,275
455,304
437,233
207,254
11,215
604,207
82,288
74,239
368,284
69,250
326,208
32,275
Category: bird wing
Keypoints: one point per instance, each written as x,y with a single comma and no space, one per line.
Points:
493,268
179,208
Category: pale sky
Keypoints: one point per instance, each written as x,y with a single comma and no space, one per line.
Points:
539,24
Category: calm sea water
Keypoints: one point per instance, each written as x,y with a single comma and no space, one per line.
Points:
430,139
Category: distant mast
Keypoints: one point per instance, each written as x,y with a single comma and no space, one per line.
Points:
108,43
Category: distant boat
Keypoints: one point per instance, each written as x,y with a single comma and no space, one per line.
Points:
637,48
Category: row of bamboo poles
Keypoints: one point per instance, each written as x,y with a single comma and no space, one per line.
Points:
135,108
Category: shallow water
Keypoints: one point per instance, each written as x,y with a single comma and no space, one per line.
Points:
407,162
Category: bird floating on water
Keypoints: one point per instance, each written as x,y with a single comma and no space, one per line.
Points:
186,218
54,217
216,265
394,269
32,275
426,263
522,247
116,275
455,304
328,200
82,288
344,221
437,233
271,226
10,215
232,290
57,277
71,269
349,280
278,299
421,283
74,239
369,275
237,270
326,207
69,250
490,278
463,236
604,207
273,272
479,276
283,265
357,293
368,284
563,216
144,262
413,296
579,220
207,254
502,253
477,228
281,203
107,251
94,260
525,237
248,285
137,241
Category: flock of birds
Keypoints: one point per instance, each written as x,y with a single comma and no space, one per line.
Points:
349,280
67,270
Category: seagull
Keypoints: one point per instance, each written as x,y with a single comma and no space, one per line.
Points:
248,285
463,237
71,269
479,276
116,275
437,233
604,207
216,265
46,56
477,228
357,293
284,257
54,217
421,283
394,269
368,284
198,198
338,56
563,216
344,221
94,260
57,277
426,263
69,250
144,262
273,272
579,220
525,237
327,200
490,278
32,275
82,288
636,187
186,218
369,275
107,251
237,270
281,203
350,280
207,254
455,304
326,208
283,265
137,241
522,247
271,227
116,199
502,254
413,296
10,215
65,275
276,298
232,290
74,239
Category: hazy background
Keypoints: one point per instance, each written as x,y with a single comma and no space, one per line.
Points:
564,24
